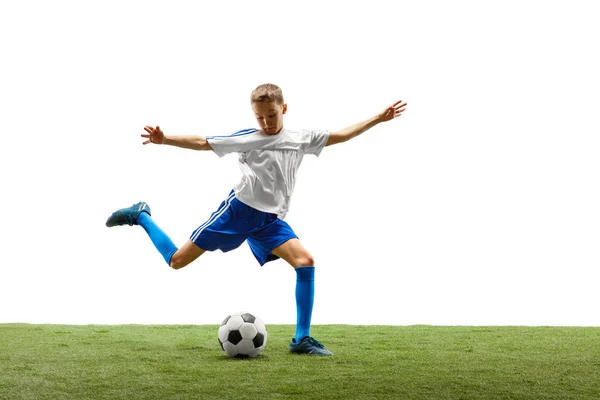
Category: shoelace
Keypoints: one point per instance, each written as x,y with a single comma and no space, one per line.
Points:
315,342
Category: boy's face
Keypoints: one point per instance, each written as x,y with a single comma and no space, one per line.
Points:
269,116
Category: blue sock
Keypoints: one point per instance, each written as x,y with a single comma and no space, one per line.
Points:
161,240
305,293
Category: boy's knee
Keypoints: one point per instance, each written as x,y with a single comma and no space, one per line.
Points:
305,260
185,255
310,261
177,262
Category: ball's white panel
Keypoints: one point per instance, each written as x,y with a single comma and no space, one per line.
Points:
256,351
223,332
245,347
234,322
230,349
248,330
260,326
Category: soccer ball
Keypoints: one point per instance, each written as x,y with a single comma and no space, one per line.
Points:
242,335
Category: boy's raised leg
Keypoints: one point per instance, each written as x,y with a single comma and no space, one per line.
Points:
139,214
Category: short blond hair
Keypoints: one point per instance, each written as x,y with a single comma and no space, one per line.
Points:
267,92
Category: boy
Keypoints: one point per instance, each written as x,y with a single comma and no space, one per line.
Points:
255,208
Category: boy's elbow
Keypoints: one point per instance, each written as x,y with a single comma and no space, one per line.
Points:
203,144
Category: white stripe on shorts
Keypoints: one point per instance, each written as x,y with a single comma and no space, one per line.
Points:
212,219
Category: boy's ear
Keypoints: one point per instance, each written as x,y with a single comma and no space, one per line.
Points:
284,109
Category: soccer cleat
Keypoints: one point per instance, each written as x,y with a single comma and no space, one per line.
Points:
128,216
309,345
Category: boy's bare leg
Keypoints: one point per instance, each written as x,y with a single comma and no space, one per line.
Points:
295,254
185,255
140,214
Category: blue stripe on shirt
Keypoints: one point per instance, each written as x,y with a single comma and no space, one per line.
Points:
238,133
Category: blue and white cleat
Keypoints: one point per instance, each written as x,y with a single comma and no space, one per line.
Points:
309,345
128,216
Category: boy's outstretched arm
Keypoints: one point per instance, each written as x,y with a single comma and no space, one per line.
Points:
156,136
391,112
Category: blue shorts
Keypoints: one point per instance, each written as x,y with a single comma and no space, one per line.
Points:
234,222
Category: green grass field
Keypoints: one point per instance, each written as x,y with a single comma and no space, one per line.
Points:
370,362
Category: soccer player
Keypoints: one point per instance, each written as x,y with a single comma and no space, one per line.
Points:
255,209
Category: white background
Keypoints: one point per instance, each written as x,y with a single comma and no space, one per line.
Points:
479,206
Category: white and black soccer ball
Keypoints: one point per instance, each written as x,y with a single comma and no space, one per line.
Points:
242,335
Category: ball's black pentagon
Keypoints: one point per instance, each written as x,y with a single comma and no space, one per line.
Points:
248,318
234,337
225,320
220,343
258,340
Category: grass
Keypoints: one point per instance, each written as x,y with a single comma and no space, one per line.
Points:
370,362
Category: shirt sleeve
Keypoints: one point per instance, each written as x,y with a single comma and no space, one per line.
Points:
244,140
318,140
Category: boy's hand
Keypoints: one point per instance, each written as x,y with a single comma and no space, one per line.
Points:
155,135
393,111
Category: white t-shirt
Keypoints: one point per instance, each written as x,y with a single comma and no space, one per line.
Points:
269,164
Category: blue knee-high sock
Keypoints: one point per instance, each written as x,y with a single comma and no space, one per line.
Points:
305,293
161,240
